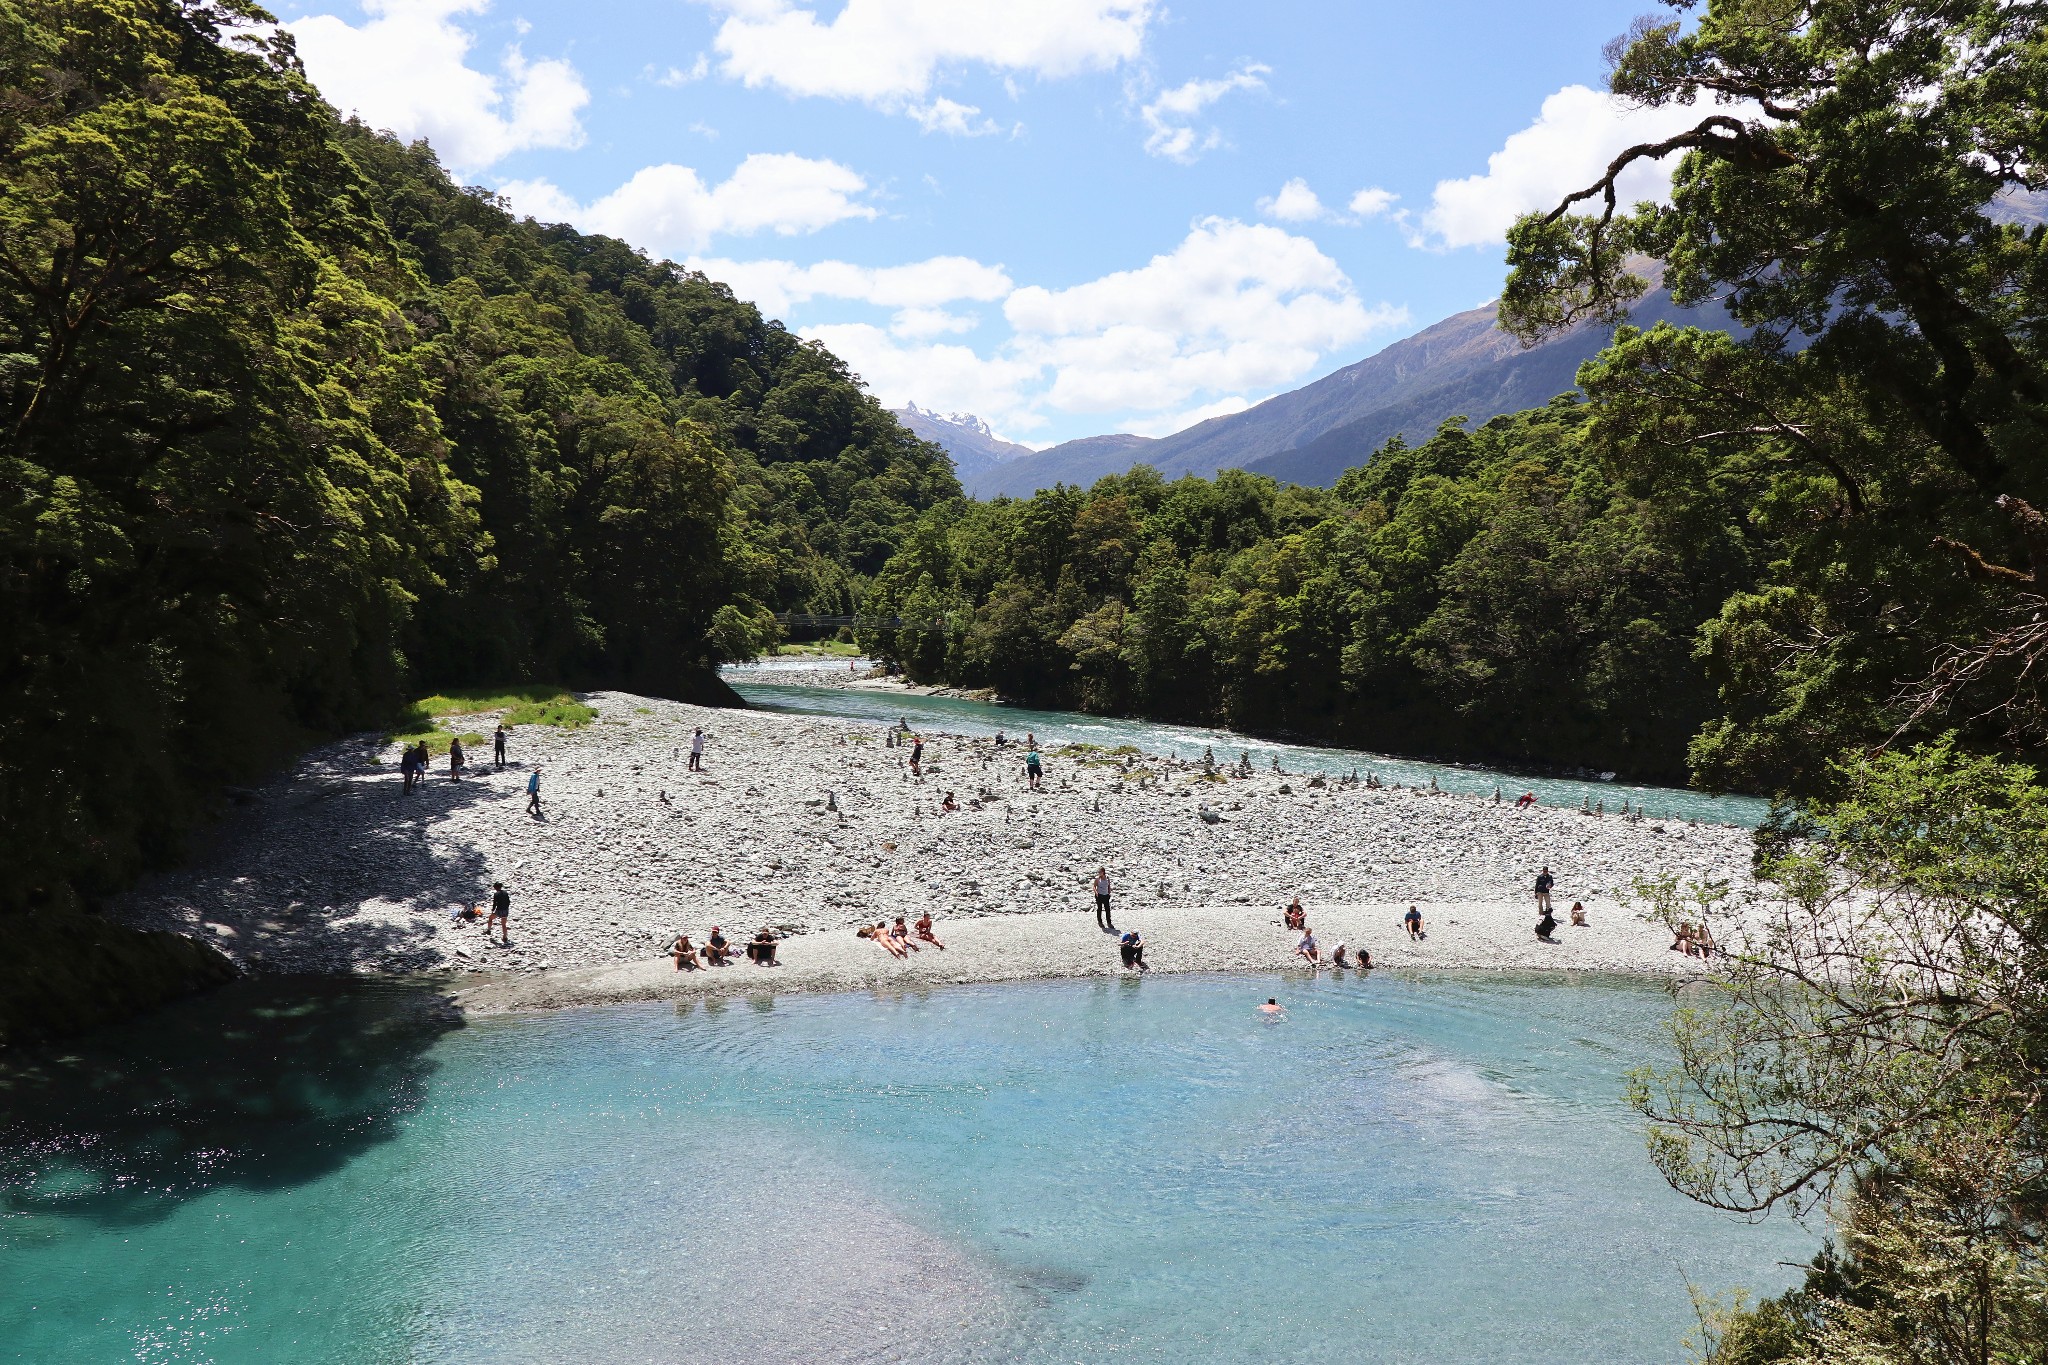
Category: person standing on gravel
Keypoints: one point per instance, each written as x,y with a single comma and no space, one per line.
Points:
1034,766
498,744
697,751
1544,881
1103,919
455,759
409,768
533,792
501,914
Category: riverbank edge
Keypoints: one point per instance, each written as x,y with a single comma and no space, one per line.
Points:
899,685
1064,946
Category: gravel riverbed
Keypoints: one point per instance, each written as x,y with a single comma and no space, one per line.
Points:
815,826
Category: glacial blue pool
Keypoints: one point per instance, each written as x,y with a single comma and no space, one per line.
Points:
1398,1169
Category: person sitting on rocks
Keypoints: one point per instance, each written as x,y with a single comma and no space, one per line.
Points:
1297,917
1307,949
1546,926
924,930
762,950
949,804
685,955
1412,922
1339,956
1131,947
1579,915
1702,942
717,949
1681,938
901,933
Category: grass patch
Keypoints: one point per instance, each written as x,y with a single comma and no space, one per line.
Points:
522,704
819,649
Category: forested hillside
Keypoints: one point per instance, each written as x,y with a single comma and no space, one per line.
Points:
294,425
1492,592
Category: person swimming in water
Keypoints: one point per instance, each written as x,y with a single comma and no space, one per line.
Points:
1271,1006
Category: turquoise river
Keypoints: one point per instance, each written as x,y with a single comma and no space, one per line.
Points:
1399,1168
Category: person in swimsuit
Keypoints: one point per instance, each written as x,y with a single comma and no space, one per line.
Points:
685,955
762,949
901,933
1579,915
949,804
879,932
1365,959
717,950
924,930
1271,1006
1412,921
1338,957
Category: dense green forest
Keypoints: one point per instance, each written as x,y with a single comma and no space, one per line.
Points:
295,426
1488,592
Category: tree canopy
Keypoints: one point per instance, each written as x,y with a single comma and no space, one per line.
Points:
292,423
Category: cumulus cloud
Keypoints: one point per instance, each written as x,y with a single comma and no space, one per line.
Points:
1171,116
1371,203
1234,307
950,116
778,286
669,210
889,53
947,377
1577,133
406,68
1295,203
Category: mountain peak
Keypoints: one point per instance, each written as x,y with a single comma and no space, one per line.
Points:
966,421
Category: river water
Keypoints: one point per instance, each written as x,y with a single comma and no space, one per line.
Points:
761,686
1419,1169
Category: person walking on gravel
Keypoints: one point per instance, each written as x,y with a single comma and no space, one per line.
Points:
697,751
501,914
1034,766
409,767
533,792
1103,919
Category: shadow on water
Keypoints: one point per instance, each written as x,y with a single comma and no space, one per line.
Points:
266,1083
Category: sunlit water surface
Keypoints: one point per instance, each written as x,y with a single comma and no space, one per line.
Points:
1400,1169
762,686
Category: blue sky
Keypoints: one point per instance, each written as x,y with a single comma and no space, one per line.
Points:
1066,216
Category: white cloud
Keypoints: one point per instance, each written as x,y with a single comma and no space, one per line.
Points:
1234,307
1170,116
1295,203
777,286
1371,203
1165,424
947,377
920,324
669,211
676,75
1568,147
950,116
1235,310
406,69
889,53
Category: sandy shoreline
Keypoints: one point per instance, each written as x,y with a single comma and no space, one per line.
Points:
1068,944
815,825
